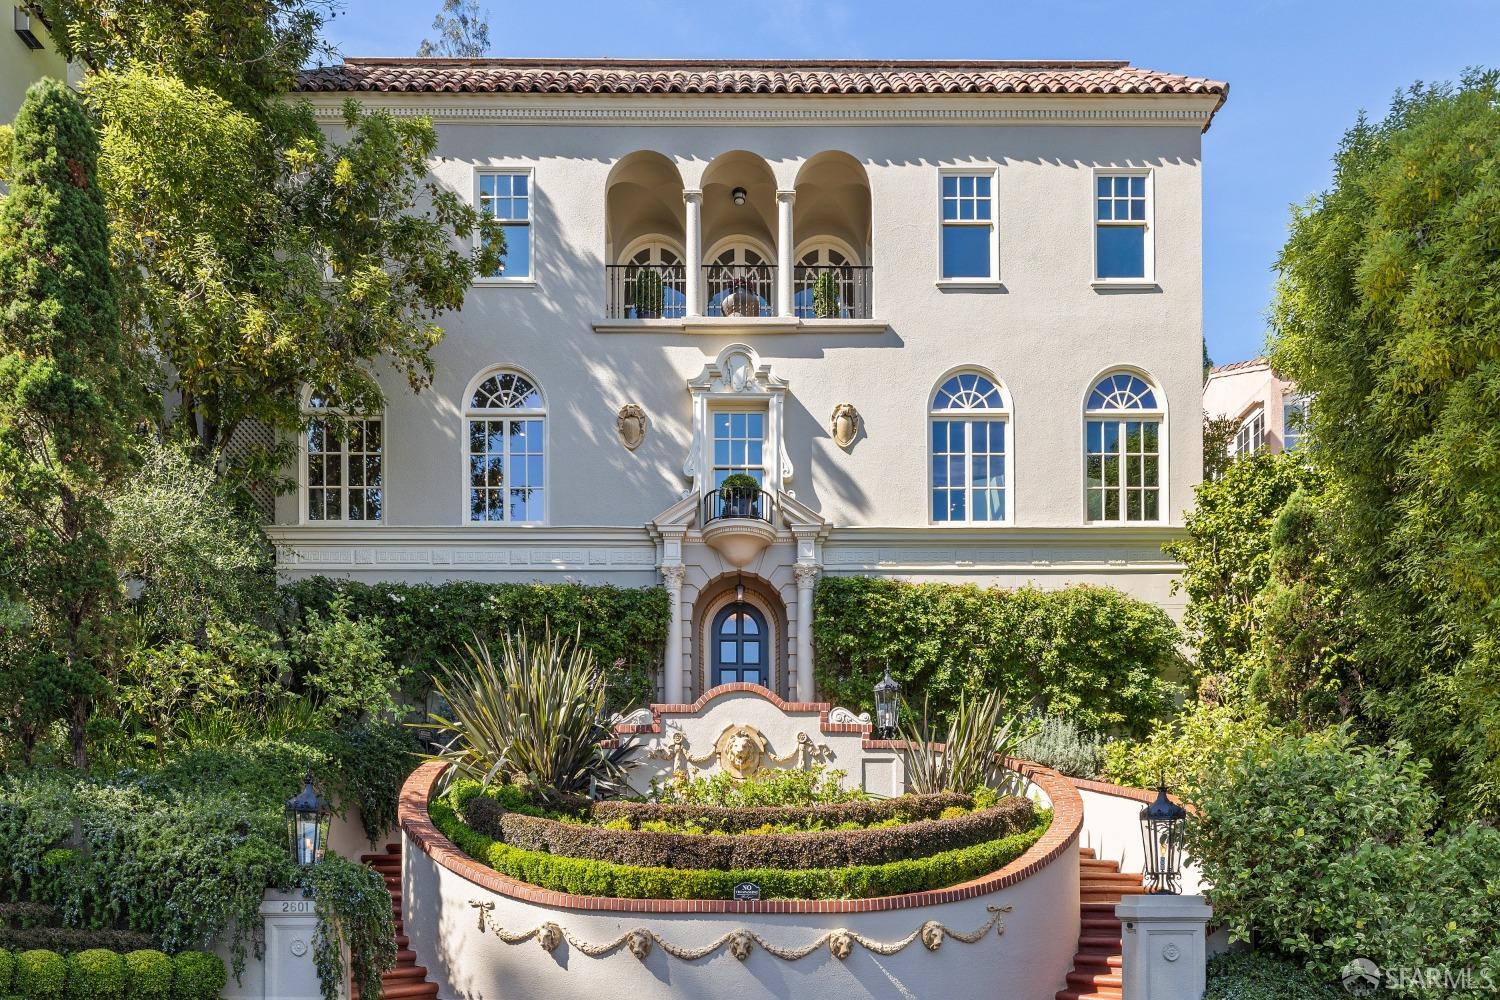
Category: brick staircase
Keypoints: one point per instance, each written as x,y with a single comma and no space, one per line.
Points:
1096,967
407,979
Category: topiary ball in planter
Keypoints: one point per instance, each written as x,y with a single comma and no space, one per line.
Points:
740,495
96,974
198,975
40,975
148,975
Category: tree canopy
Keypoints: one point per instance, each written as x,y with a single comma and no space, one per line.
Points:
463,32
1388,316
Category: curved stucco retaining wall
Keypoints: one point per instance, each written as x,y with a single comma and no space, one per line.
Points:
1112,827
1029,961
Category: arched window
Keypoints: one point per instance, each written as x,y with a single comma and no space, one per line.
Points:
740,281
970,457
506,418
653,282
839,273
343,463
1123,424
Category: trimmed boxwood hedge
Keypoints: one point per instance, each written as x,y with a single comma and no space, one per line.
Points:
603,878
726,819
100,974
808,850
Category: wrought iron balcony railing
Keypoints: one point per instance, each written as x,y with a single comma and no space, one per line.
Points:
739,290
645,291
722,503
831,292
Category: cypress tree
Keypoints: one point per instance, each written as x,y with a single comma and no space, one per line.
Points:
69,392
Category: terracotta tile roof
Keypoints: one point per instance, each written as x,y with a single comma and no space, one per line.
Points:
1237,365
800,77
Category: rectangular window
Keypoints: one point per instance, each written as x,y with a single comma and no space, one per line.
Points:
506,197
506,469
1293,422
344,469
1124,465
739,444
968,226
968,470
1251,436
1120,223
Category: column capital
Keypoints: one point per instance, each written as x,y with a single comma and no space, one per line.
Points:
786,194
806,574
692,194
673,576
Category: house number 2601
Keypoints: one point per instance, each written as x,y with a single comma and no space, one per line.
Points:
296,906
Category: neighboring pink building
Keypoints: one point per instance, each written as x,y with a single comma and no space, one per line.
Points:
1270,410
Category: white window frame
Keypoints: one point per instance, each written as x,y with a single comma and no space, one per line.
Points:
977,170
472,413
1253,430
1163,441
765,443
529,172
304,488
1293,403
1148,226
971,415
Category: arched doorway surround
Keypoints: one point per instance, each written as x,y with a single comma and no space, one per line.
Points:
761,606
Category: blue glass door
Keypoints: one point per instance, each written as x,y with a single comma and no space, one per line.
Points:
739,637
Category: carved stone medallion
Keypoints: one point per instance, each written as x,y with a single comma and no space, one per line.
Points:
741,751
845,424
631,425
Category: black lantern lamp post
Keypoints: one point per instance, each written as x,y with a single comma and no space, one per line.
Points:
887,707
1161,835
307,817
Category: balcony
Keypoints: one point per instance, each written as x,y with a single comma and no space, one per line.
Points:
737,523
734,248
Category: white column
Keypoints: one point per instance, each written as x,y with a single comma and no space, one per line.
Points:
807,579
1164,951
673,577
784,249
693,202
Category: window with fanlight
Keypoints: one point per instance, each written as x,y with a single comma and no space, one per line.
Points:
505,420
343,464
1124,422
970,459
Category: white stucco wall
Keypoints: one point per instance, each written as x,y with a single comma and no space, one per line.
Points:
21,66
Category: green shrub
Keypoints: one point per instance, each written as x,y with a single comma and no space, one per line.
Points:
349,672
427,625
781,787
40,975
602,878
197,975
66,940
853,813
148,975
1197,743
7,971
1318,847
96,974
1058,742
1091,653
1255,976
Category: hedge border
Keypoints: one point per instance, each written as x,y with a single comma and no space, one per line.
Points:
732,819
579,876
808,851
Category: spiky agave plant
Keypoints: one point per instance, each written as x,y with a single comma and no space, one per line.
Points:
536,711
976,737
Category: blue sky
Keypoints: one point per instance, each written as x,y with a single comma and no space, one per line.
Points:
1298,73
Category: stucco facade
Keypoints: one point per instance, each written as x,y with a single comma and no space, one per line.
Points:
27,54
863,173
1268,410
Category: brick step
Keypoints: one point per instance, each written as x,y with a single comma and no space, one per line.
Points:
407,991
408,980
1097,909
1098,960
1110,878
1090,980
1100,942
405,973
1102,994
1099,925
1087,863
405,956
1085,852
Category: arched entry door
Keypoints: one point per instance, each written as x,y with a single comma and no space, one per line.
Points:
740,650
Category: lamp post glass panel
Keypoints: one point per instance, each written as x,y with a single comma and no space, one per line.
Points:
887,707
1161,836
307,817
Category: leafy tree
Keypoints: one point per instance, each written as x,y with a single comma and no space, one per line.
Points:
463,32
1388,316
1218,432
1226,556
68,398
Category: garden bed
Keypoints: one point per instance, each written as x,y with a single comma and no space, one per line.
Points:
865,848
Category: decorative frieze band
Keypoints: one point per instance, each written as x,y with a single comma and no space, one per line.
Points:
740,942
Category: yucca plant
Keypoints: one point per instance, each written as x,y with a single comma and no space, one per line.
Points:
534,714
976,737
